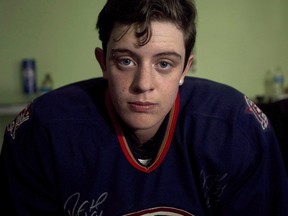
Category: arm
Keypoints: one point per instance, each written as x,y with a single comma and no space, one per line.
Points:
263,187
26,168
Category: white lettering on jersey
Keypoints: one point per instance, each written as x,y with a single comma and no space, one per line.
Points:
75,207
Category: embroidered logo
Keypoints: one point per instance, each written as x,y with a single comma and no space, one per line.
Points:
20,119
259,115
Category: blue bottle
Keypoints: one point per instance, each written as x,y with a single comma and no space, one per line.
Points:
29,76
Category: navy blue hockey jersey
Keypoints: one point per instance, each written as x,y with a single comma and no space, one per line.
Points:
67,154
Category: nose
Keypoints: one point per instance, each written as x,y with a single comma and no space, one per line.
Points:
144,79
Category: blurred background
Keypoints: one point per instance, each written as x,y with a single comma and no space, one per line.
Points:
238,43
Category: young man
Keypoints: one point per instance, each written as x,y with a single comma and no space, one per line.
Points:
143,140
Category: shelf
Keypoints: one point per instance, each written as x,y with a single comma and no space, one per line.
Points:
11,109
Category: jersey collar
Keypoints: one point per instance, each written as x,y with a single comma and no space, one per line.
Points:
164,147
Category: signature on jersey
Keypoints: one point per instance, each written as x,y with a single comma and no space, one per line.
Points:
75,208
213,186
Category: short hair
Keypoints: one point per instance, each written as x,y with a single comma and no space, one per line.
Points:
141,13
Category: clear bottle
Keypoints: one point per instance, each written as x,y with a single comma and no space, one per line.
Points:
47,84
278,83
268,86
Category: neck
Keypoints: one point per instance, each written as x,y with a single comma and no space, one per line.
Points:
144,135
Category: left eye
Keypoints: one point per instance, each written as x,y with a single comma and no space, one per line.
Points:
164,65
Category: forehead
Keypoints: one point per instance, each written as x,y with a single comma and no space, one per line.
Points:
165,35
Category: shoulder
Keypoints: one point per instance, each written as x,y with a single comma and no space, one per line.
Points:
226,126
85,89
74,104
207,96
76,101
201,88
206,99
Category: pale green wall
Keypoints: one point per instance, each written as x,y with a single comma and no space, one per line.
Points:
237,41
59,34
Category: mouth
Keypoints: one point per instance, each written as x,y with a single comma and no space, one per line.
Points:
139,106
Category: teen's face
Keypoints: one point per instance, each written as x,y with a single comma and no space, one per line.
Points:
144,80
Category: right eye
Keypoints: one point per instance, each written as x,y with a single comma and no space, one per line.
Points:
125,62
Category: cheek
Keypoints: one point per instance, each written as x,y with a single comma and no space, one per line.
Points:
171,87
170,93
170,98
118,89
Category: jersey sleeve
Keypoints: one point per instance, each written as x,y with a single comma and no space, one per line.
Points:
262,188
26,167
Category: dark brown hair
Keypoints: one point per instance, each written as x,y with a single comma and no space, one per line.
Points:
142,12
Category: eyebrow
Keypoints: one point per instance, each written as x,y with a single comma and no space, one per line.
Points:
118,50
168,53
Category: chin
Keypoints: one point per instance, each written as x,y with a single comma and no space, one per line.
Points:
141,123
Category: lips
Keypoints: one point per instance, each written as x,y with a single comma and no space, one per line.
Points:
139,106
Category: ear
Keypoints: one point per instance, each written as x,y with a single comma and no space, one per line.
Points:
186,69
99,54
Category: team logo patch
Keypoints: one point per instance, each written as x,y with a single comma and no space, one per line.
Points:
259,115
20,119
161,211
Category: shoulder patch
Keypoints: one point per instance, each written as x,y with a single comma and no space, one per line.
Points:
257,112
23,116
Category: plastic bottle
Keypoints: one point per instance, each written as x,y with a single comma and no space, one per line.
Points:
29,76
278,83
268,86
47,84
